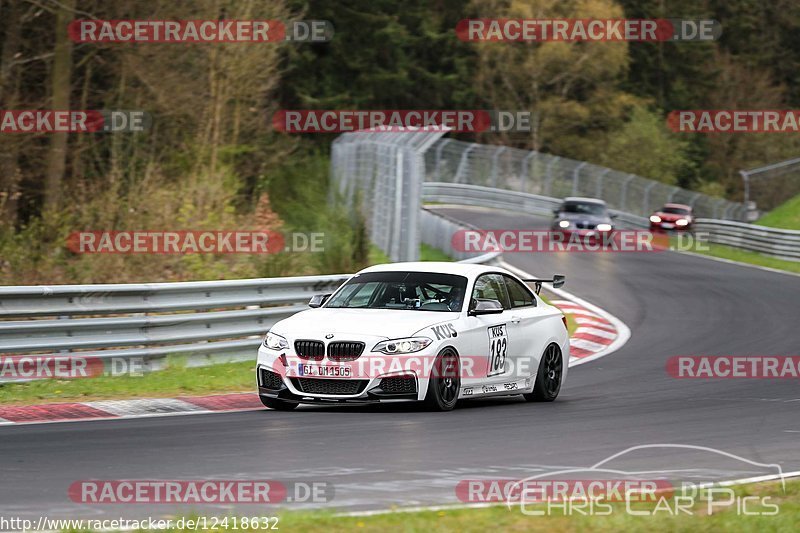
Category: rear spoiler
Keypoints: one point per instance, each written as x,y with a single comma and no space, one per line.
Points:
557,281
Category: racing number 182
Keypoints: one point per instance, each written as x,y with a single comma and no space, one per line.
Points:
498,346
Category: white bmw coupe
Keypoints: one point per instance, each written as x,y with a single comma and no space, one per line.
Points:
424,332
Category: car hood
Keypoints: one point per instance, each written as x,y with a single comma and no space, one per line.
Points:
384,323
672,217
582,217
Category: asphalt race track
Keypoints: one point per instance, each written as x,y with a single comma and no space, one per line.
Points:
377,457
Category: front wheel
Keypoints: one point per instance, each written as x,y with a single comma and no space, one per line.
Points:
444,382
278,405
548,377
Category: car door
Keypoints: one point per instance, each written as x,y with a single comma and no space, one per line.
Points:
528,325
489,339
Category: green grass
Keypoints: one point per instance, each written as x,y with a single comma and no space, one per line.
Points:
428,253
786,215
376,256
746,256
500,518
176,380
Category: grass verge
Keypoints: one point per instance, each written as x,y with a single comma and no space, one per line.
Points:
175,380
786,215
500,518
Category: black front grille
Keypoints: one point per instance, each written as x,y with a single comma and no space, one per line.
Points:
399,385
270,379
330,386
310,350
585,225
345,351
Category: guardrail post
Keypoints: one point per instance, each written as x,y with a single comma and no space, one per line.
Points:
576,176
398,207
526,170
646,201
746,181
462,164
438,171
549,176
675,191
599,187
495,164
624,195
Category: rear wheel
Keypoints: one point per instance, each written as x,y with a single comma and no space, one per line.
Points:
444,382
548,377
278,405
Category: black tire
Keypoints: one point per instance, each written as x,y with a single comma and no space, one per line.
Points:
548,377
444,383
278,405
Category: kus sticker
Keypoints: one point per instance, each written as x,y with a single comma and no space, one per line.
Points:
445,331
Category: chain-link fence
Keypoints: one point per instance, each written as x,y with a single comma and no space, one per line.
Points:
502,167
771,185
380,173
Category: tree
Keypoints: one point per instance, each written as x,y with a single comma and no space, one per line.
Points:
571,88
645,147
60,82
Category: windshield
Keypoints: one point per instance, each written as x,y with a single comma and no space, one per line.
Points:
418,291
583,208
675,211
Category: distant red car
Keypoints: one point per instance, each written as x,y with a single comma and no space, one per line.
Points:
672,217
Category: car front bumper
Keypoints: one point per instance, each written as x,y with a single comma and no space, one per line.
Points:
368,386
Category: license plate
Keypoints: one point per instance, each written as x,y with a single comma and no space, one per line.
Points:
667,225
325,371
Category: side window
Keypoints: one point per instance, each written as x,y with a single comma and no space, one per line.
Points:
519,295
493,287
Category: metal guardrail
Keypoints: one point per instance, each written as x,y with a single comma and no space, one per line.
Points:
781,243
205,321
503,167
216,321
521,202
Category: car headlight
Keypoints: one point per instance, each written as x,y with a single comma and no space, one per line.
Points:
563,224
409,345
681,222
655,219
604,227
275,342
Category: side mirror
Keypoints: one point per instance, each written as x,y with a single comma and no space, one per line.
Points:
558,281
484,306
612,215
556,211
318,299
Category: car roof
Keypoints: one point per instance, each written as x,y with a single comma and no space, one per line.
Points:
584,200
438,267
679,206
